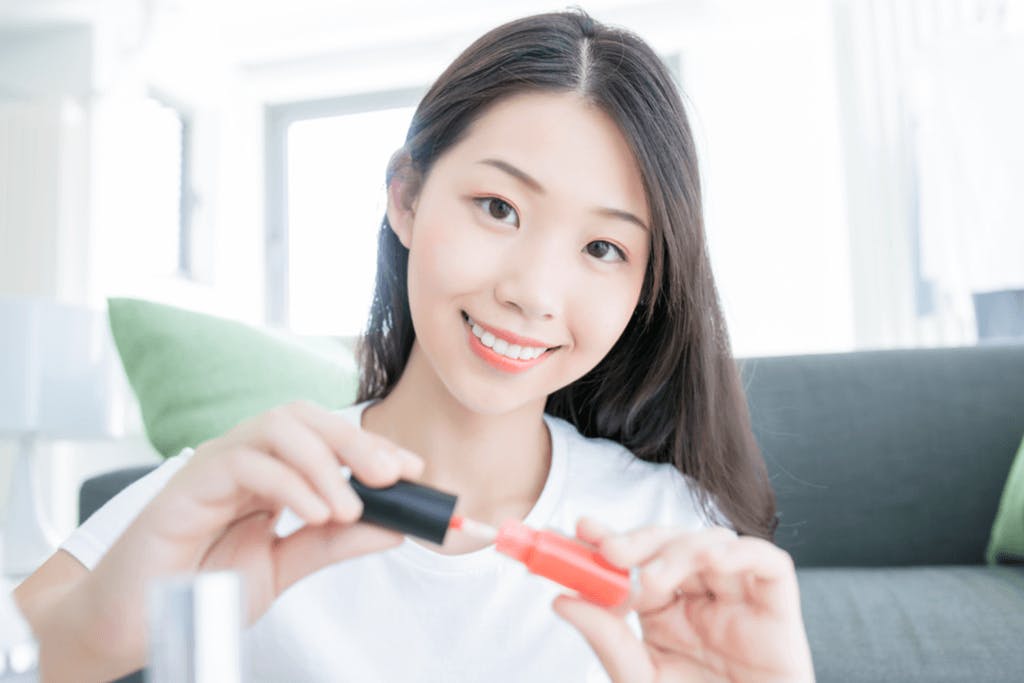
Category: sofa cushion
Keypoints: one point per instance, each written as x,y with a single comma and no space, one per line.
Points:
1007,541
888,458
197,375
909,624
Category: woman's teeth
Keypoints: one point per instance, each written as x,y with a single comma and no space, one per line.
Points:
502,347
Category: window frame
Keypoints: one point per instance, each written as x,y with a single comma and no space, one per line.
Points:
187,195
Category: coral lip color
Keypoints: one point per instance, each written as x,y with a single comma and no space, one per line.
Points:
566,561
511,337
496,360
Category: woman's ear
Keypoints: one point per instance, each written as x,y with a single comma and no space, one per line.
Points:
402,191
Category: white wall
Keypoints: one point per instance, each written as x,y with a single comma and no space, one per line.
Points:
47,238
44,138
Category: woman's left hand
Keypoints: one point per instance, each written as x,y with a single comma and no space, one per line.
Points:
712,607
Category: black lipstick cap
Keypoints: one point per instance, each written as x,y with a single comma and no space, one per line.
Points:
408,508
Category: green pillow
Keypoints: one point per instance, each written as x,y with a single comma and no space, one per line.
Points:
196,375
1006,544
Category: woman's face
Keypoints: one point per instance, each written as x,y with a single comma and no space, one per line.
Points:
531,232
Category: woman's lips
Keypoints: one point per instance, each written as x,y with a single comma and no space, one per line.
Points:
509,337
495,359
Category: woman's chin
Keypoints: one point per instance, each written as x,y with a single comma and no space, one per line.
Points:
483,400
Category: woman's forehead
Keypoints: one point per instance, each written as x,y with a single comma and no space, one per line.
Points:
563,143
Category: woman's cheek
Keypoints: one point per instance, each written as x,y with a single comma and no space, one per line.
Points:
604,309
459,256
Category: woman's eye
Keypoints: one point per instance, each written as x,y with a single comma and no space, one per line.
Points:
600,249
498,209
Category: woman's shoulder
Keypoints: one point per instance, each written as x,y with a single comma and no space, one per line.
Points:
608,480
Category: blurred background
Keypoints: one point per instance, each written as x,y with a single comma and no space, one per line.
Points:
862,163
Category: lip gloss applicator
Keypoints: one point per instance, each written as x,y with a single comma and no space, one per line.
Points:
564,560
427,513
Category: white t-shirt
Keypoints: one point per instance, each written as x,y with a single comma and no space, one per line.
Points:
412,614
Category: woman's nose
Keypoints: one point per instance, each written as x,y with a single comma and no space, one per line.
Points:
535,278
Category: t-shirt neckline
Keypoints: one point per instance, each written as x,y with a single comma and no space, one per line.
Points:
538,516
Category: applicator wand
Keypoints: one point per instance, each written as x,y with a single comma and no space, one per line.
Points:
428,513
564,560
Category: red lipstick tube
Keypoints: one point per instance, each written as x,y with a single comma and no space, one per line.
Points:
571,563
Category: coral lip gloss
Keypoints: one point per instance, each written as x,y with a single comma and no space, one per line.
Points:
427,513
497,360
566,561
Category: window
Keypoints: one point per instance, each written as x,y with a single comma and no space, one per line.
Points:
325,206
140,193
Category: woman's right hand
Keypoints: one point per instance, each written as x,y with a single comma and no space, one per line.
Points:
220,510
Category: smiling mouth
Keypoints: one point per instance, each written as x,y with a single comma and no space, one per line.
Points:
503,347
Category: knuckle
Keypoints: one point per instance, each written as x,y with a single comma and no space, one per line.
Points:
275,423
274,416
235,460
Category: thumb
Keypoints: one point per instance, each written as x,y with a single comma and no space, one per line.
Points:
314,547
623,656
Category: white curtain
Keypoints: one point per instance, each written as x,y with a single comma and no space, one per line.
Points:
935,100
970,167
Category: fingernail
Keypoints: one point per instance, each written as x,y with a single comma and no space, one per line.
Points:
390,459
410,457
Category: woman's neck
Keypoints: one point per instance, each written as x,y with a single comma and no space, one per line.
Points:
496,464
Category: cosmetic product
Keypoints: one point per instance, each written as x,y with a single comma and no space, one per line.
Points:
195,626
408,508
428,513
567,561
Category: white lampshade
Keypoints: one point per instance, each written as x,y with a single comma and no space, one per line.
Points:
60,377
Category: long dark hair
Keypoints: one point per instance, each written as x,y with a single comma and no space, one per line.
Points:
669,389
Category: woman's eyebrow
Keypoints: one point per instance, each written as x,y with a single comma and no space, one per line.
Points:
527,180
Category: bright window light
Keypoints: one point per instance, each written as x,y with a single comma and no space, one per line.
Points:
336,200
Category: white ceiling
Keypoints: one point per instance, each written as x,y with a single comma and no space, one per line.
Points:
295,49
259,32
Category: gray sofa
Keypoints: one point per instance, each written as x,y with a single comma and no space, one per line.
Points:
888,467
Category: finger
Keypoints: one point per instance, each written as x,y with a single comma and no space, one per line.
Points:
313,548
767,571
375,461
723,587
677,566
636,547
288,438
622,655
592,531
272,480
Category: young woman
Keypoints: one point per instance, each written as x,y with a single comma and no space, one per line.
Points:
545,340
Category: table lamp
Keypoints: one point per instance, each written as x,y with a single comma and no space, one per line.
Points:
60,380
